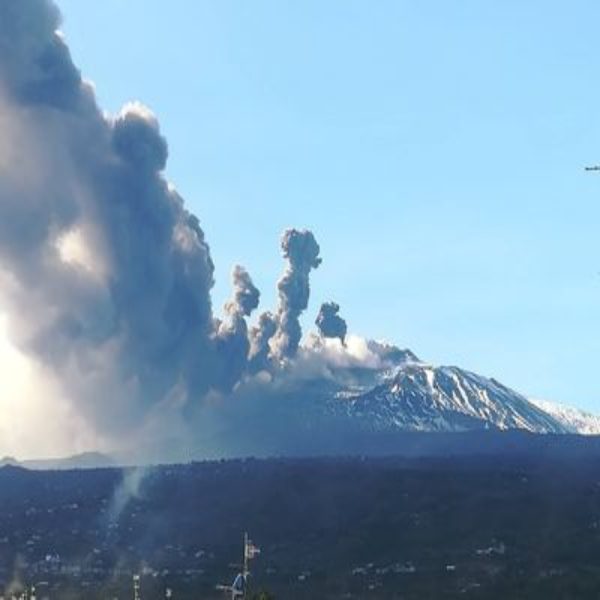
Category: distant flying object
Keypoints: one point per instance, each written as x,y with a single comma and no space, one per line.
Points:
594,168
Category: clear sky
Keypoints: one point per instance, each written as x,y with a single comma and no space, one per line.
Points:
435,148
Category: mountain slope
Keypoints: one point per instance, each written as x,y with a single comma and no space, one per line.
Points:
419,397
573,419
85,460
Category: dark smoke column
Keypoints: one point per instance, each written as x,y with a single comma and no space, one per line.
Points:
110,274
260,336
245,294
232,341
301,251
330,324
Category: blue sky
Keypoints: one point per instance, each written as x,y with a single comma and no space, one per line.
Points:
436,149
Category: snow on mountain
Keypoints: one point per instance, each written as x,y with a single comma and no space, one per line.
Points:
376,386
575,420
418,397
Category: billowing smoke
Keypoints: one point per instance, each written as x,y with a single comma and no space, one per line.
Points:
301,251
329,322
233,345
245,294
106,278
260,336
105,275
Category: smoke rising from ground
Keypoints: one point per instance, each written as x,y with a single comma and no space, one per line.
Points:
128,489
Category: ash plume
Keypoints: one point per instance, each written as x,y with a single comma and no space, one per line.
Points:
105,275
301,251
232,343
246,295
330,324
260,336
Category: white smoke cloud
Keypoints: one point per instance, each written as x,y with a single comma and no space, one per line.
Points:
36,419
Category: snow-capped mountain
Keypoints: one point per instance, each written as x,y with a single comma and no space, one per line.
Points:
415,396
371,398
573,419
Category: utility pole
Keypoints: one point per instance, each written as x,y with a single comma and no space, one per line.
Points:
239,588
136,588
246,570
